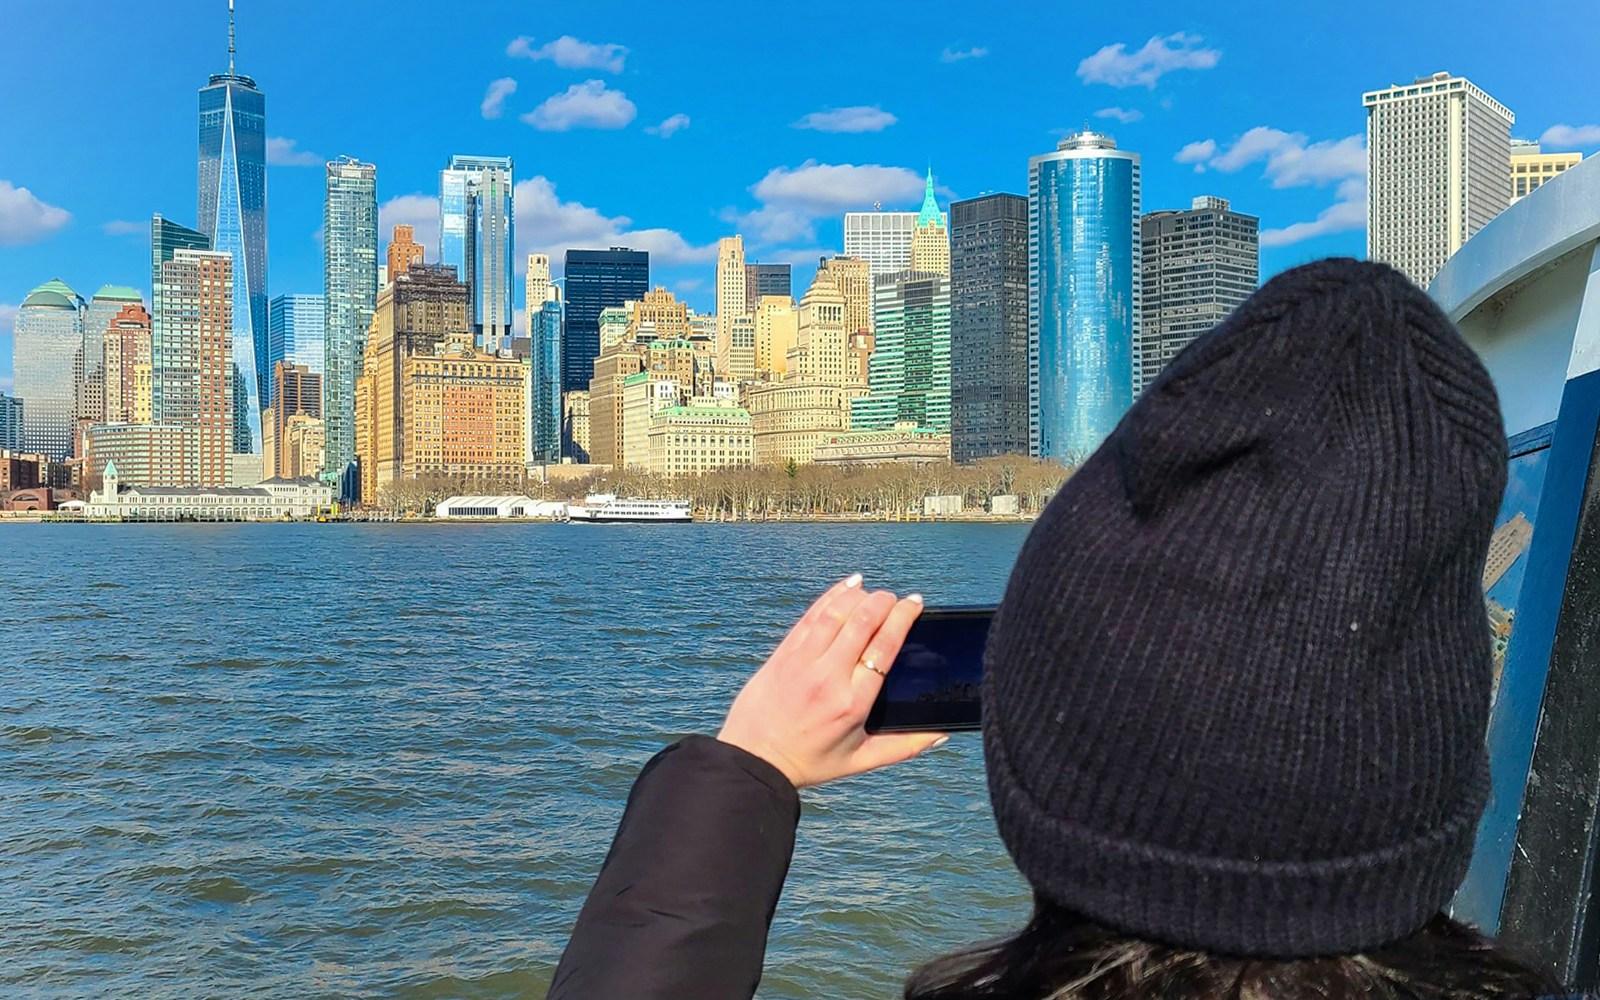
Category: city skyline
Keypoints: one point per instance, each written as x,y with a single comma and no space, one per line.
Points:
1287,154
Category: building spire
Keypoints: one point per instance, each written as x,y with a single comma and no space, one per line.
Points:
230,37
929,216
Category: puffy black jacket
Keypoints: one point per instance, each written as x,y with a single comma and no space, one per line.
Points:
683,903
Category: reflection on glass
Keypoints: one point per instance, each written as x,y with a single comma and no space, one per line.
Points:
1504,569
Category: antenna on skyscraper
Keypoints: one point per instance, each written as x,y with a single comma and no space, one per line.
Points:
230,37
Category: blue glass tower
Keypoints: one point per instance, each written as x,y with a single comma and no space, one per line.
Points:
476,234
544,394
596,280
1083,294
233,215
294,333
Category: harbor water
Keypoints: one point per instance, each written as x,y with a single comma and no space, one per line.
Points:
336,760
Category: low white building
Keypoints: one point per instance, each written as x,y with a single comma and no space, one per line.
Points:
482,507
272,500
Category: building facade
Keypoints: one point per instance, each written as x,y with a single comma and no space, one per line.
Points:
46,343
297,392
644,395
733,282
988,327
404,251
707,434
595,280
789,419
198,374
930,236
544,379
575,426
145,454
127,382
1197,266
90,368
902,444
476,234
1083,293
271,500
233,215
882,239
10,423
1438,169
908,372
295,334
350,295
464,414
766,279
166,239
541,287
777,330
1531,167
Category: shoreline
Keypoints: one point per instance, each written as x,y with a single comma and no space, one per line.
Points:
976,518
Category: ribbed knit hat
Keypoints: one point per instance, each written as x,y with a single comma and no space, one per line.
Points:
1236,692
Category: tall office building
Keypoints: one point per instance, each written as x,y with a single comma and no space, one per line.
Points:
988,327
1438,169
1531,167
296,392
732,290
90,368
595,279
166,239
1197,267
930,235
766,279
233,215
541,288
125,347
476,235
198,371
852,276
10,423
1083,293
882,239
47,338
908,374
295,333
404,250
544,380
350,293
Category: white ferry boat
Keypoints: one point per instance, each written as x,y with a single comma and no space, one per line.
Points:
600,508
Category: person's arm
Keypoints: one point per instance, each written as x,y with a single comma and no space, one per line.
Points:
685,898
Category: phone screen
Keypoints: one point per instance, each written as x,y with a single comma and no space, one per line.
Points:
936,680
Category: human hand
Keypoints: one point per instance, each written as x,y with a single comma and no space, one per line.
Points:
803,712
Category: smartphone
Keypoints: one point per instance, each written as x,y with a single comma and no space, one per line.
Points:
937,678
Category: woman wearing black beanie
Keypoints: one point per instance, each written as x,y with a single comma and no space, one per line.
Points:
1234,698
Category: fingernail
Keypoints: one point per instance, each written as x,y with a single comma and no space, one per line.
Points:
914,598
853,580
941,741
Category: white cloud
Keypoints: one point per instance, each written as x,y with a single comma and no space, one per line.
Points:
1571,136
1123,115
1116,66
125,227
1197,153
26,219
421,212
792,199
668,127
570,53
1348,212
685,286
583,105
950,55
281,152
494,99
546,224
861,118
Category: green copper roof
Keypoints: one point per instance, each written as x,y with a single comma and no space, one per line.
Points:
668,345
930,215
120,293
55,292
635,378
735,412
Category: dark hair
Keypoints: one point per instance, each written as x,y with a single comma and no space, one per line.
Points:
1062,956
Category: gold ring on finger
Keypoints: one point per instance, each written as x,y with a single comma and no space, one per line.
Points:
866,663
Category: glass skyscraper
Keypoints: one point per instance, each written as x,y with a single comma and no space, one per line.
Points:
989,327
233,214
544,391
47,338
166,239
10,422
294,334
908,374
476,234
1083,293
350,295
596,280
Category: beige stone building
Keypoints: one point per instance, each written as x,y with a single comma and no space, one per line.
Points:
777,329
658,316
643,396
463,413
1530,167
618,360
853,278
904,443
305,441
732,289
575,424
709,433
127,382
790,418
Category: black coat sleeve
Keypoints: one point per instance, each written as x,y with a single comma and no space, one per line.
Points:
684,900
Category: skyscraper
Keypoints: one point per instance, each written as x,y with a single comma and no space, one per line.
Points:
295,333
1438,169
1083,293
89,369
126,350
1531,167
404,250
541,288
1198,266
198,370
233,215
47,338
350,293
10,423
766,279
544,380
296,392
930,235
908,374
595,280
476,235
882,239
166,239
988,327
732,291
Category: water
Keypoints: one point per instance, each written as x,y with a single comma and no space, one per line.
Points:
387,760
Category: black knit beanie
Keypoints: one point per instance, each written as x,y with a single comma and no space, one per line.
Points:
1237,690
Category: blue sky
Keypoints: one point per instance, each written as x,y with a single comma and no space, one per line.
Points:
666,126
